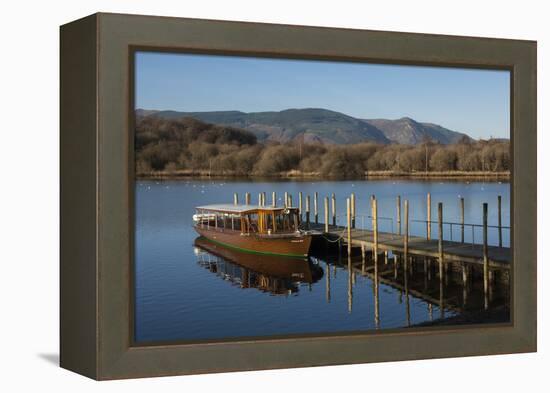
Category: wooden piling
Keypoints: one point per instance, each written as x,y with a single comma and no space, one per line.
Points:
260,199
235,199
399,215
485,256
333,197
316,206
440,238
353,210
406,237
348,223
326,214
428,216
247,198
285,199
273,199
375,234
300,205
499,205
462,220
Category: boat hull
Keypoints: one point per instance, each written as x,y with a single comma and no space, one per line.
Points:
291,245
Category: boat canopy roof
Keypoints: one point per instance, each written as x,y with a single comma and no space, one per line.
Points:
240,209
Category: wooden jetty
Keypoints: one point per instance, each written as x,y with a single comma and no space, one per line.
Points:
431,247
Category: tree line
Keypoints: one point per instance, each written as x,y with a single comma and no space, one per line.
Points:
189,146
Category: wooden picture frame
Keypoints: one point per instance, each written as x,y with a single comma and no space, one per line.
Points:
97,195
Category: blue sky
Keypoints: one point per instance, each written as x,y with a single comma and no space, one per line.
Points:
473,101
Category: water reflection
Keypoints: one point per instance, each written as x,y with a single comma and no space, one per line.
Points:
455,289
273,274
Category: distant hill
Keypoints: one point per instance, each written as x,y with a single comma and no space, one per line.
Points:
319,125
407,131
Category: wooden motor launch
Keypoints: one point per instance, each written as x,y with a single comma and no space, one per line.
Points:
267,230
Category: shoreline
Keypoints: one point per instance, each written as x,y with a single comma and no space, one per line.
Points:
296,175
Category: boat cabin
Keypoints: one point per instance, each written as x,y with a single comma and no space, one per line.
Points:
248,219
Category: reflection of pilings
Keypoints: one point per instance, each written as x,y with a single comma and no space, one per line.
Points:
485,258
363,259
350,286
407,300
464,284
376,302
425,271
430,311
327,268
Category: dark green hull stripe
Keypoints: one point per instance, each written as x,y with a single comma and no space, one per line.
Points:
255,252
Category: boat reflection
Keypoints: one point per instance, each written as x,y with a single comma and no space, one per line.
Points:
273,274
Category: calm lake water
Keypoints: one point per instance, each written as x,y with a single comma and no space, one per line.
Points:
188,289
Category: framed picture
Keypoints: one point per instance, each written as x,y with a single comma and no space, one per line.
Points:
242,196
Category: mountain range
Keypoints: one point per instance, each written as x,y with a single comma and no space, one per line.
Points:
320,125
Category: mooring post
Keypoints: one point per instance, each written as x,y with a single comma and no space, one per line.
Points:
353,210
440,240
375,235
348,215
247,198
273,199
406,238
235,199
260,199
399,215
333,197
326,214
307,211
428,216
499,220
300,205
316,206
285,200
485,257
462,220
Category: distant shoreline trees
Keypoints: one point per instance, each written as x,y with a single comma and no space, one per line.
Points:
190,146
